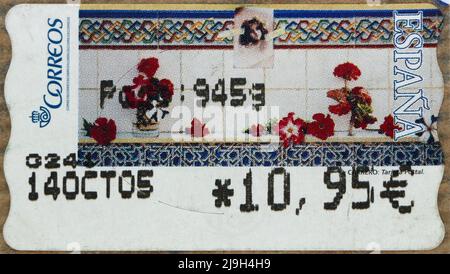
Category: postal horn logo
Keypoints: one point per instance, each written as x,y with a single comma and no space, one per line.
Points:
42,117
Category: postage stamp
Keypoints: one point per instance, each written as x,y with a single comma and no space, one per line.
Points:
224,127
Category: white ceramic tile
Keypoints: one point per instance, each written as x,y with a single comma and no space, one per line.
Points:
321,64
430,59
436,74
201,65
374,66
286,101
88,101
252,76
118,65
289,70
436,97
88,69
169,64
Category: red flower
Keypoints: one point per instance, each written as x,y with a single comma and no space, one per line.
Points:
103,131
340,109
148,66
348,71
139,81
166,89
257,130
133,100
388,126
197,129
292,130
322,127
362,95
340,95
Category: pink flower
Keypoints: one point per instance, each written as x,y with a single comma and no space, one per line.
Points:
292,130
197,129
275,128
257,130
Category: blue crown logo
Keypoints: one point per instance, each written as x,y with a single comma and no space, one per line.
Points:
42,117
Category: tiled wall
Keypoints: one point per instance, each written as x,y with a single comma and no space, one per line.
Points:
297,83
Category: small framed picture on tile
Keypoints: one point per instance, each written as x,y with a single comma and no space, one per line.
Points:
253,46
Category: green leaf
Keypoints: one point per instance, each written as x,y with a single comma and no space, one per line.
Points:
365,109
87,126
270,124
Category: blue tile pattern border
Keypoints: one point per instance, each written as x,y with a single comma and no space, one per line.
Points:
246,155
